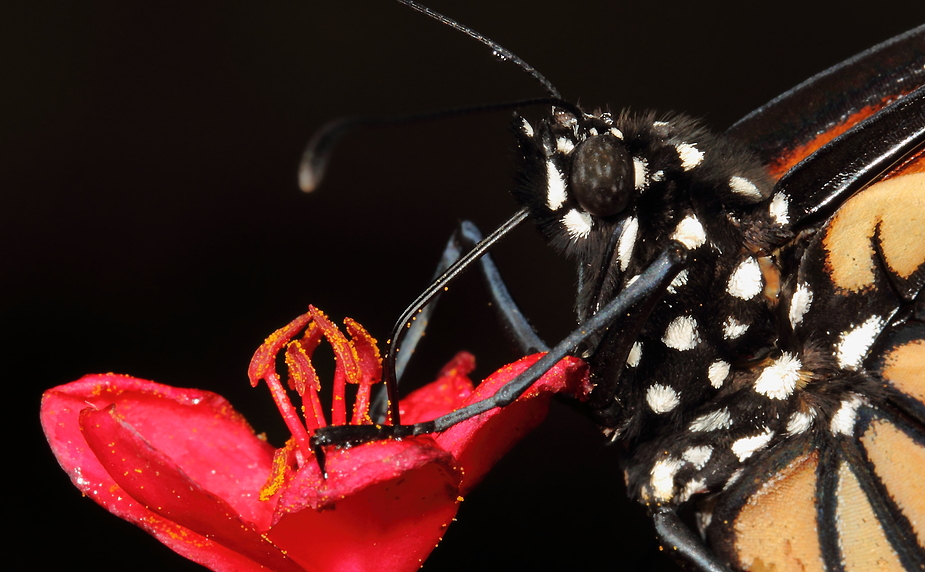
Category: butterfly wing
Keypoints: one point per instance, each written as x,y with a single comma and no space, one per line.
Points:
849,494
795,124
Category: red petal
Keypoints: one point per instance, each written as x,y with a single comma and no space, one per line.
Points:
385,505
451,391
478,443
157,483
216,445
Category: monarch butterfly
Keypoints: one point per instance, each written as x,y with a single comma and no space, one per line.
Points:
654,62
751,306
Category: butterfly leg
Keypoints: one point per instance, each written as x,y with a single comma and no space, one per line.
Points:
517,329
677,537
650,283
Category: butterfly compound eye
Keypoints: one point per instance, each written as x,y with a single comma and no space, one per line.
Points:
602,175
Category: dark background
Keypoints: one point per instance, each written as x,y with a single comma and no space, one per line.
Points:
151,224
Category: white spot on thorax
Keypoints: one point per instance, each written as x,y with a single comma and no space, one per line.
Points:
658,176
779,379
681,334
690,233
632,359
735,476
733,329
853,345
592,132
662,480
616,133
779,209
744,187
662,398
719,419
843,420
640,173
555,187
698,456
626,242
578,224
799,422
691,488
689,154
747,446
717,373
526,127
679,281
745,281
564,145
800,303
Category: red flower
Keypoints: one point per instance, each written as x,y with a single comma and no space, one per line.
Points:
186,467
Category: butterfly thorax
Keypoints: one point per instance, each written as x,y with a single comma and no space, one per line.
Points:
612,193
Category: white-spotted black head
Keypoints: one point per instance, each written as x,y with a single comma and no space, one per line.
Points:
612,192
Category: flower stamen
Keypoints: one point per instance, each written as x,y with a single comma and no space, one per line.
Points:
357,361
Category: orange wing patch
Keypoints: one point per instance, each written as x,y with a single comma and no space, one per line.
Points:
777,528
863,542
786,162
890,214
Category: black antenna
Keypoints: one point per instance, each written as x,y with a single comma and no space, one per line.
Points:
315,157
498,49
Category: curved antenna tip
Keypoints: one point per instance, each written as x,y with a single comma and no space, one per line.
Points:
309,178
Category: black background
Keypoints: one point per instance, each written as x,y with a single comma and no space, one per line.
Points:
151,224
